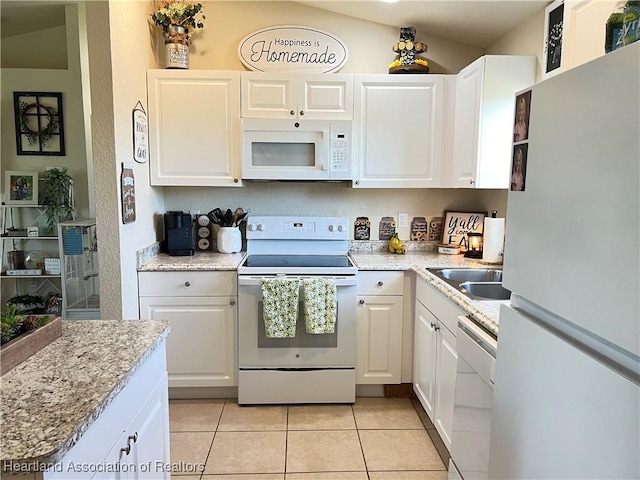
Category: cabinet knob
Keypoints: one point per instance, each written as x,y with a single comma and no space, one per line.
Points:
471,181
361,302
292,112
357,182
232,302
187,284
380,283
301,112
235,180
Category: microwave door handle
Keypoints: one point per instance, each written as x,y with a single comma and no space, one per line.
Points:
327,147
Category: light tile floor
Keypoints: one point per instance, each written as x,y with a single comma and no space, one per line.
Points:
374,439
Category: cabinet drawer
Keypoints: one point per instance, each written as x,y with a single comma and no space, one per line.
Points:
438,304
187,284
380,283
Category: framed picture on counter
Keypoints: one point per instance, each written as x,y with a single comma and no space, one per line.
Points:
21,188
457,225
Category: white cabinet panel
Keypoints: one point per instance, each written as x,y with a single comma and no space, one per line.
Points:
484,117
379,339
201,350
398,130
309,96
424,367
194,127
446,364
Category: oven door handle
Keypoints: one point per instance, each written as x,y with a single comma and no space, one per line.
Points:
346,281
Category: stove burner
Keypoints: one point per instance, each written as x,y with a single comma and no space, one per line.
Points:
285,261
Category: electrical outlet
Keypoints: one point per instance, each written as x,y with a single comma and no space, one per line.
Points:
403,220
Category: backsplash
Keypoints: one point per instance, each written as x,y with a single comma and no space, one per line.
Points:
337,199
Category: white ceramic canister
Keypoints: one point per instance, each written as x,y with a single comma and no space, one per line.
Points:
229,240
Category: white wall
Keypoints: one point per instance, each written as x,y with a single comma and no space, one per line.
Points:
227,23
44,48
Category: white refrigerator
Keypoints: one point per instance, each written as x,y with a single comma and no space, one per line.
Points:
567,377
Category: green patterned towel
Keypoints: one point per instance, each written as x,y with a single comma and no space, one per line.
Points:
280,307
320,305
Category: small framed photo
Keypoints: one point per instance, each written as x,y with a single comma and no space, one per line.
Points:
21,187
519,167
552,48
521,122
457,225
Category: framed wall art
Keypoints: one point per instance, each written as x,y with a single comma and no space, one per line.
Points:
552,48
457,225
39,123
21,187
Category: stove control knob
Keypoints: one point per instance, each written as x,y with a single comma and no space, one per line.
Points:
259,227
340,228
250,227
331,228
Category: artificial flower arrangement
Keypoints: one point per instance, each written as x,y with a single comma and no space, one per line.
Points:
180,13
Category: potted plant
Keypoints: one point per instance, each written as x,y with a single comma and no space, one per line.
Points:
175,17
56,197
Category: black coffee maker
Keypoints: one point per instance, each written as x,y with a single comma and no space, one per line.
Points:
178,233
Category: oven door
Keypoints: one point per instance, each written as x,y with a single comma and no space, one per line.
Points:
304,350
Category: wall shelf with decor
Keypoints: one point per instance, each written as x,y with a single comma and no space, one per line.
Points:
30,259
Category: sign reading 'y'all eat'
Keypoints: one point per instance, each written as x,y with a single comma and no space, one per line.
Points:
290,48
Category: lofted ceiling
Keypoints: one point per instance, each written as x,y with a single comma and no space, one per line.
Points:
473,22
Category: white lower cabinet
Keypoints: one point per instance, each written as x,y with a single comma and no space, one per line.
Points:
202,313
130,439
379,327
435,356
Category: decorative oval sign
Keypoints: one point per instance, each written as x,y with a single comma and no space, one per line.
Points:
291,48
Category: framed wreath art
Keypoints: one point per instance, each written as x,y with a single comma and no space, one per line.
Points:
39,126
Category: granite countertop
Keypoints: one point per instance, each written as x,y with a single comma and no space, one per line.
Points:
50,400
198,261
484,312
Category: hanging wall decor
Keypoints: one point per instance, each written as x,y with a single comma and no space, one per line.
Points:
128,194
140,134
39,125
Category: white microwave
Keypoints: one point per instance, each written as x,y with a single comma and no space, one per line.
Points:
283,149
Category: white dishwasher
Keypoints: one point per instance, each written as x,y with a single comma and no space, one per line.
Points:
473,405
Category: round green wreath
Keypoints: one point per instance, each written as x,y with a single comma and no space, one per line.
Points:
47,132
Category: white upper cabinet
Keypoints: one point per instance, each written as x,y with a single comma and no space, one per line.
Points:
584,30
194,127
397,130
484,117
288,95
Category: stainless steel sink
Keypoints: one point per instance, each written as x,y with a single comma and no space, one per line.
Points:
471,274
480,284
486,290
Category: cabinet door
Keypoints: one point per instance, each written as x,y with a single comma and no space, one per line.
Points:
194,123
424,367
325,97
467,124
379,339
583,35
267,95
397,130
201,349
446,368
485,112
147,435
